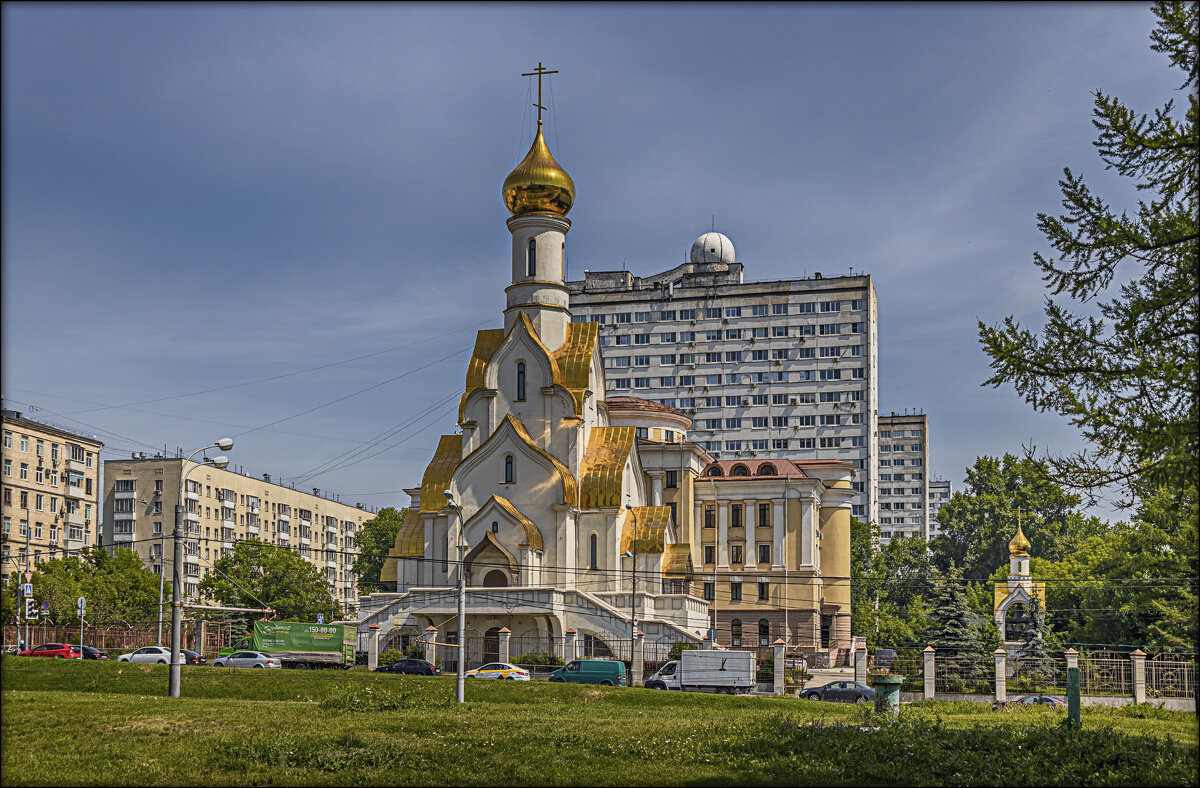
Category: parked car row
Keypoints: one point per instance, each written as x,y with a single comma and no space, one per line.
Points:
152,654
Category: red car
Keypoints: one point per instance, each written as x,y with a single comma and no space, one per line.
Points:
59,650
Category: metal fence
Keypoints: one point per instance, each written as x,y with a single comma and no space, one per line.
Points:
1028,675
122,636
1105,673
964,671
1171,676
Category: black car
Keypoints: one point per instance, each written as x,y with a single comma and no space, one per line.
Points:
841,691
192,658
414,667
92,653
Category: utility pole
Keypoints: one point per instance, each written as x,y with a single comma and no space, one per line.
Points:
633,622
28,531
460,677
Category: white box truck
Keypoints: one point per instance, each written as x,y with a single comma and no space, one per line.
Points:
713,670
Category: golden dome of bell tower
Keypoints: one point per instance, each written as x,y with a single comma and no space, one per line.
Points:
539,184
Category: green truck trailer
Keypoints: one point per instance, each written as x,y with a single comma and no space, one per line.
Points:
300,645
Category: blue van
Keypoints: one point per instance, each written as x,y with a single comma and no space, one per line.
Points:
609,672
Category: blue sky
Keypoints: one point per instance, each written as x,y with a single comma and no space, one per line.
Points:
218,217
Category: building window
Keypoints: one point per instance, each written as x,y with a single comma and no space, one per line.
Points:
735,592
672,480
735,510
764,555
735,554
592,548
520,381
735,626
764,626
509,475
531,261
709,551
710,511
709,592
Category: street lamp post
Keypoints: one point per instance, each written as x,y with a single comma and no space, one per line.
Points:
633,622
224,444
460,678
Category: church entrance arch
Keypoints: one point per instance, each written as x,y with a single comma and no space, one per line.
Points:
496,578
488,564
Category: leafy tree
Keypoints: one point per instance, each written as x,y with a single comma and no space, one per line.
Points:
1127,377
978,522
889,587
376,537
118,587
257,574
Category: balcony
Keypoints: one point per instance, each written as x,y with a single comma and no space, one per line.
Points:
229,504
331,563
74,491
253,509
286,518
252,530
192,496
192,517
123,536
191,558
305,541
75,519
75,465
331,529
122,495
227,520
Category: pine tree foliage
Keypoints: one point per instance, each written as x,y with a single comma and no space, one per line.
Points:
1127,376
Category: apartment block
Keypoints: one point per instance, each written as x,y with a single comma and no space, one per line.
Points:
903,476
940,491
224,507
783,369
51,488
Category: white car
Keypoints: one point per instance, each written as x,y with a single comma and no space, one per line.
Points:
160,655
247,659
499,670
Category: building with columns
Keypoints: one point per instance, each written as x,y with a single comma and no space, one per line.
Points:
571,517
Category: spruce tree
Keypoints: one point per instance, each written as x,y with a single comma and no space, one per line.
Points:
954,634
1033,663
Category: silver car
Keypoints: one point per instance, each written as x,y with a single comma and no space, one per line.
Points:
160,655
247,659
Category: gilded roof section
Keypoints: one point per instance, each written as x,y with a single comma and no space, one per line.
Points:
438,473
675,560
575,360
603,467
486,343
410,539
570,486
651,524
523,319
533,537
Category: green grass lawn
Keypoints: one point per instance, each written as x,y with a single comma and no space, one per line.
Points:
96,723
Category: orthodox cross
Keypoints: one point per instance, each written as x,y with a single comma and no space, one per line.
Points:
538,72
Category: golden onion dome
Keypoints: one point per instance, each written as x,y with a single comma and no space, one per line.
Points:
538,184
1019,544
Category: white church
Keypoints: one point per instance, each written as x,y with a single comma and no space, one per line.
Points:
562,501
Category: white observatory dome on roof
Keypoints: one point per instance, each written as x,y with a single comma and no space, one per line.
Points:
712,248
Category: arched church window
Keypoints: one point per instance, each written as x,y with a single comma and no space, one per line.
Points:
592,551
766,470
520,380
764,632
735,632
531,262
495,527
509,475
740,470
714,471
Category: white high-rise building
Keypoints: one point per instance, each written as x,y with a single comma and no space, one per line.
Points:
940,491
903,476
784,368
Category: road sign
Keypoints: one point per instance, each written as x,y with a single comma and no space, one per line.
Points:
28,591
45,608
29,577
82,607
320,618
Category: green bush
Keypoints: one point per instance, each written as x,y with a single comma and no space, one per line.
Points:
415,650
548,658
389,656
678,647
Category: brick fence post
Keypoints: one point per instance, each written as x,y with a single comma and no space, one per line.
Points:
570,651
930,672
860,663
431,634
780,685
504,636
1138,658
1001,675
372,647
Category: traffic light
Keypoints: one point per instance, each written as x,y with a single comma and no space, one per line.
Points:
30,607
